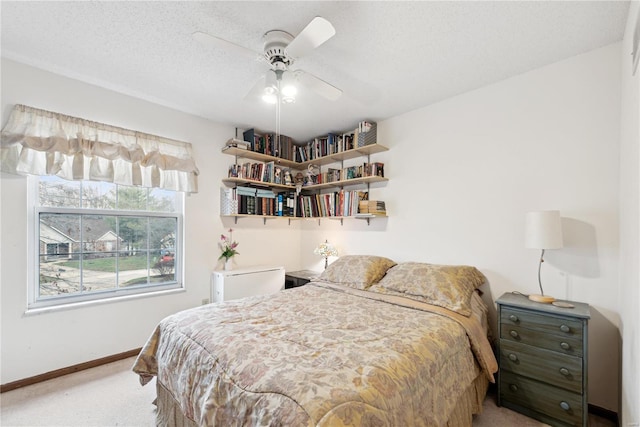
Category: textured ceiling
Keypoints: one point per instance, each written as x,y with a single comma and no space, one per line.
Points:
387,57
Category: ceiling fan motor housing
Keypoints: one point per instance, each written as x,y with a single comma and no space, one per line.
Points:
275,43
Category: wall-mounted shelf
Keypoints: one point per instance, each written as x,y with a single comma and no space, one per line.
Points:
231,182
365,150
346,183
248,154
264,218
267,162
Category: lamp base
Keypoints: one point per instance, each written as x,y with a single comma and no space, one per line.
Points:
545,299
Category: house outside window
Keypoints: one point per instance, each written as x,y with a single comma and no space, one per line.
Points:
99,240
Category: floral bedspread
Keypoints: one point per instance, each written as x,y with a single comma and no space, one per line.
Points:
317,355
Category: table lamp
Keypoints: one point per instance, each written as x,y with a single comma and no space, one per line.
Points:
543,230
326,250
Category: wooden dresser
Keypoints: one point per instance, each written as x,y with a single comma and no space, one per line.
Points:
543,360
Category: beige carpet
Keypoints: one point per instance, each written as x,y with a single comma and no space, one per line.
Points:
111,395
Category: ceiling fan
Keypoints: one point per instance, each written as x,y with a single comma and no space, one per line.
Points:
281,49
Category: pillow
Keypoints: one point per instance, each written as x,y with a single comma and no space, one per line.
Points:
448,286
357,271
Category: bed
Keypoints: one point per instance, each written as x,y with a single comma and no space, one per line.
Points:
369,343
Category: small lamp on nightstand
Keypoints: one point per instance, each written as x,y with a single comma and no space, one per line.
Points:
326,250
543,230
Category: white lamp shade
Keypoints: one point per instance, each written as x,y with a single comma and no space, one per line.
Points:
270,83
543,230
288,84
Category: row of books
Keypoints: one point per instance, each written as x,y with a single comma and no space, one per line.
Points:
364,134
271,173
257,201
285,147
270,144
351,172
261,171
337,204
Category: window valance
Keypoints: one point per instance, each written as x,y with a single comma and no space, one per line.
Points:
39,142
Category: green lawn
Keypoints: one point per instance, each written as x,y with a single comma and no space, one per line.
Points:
137,262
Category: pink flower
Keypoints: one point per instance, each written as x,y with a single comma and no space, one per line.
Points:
227,246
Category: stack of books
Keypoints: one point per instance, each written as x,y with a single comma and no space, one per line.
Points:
236,143
372,207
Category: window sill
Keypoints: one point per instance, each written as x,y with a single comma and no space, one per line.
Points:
35,311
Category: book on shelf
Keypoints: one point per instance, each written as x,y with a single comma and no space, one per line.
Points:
377,207
337,204
270,144
246,191
377,169
372,207
372,169
268,172
263,192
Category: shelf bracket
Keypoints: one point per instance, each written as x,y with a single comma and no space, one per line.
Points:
235,220
264,221
341,221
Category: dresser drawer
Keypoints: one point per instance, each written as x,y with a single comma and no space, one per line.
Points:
542,398
567,344
544,323
543,365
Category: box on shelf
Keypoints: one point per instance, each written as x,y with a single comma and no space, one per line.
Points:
228,201
367,133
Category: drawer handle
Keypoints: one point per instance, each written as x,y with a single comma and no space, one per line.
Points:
564,405
513,387
513,318
564,371
565,345
514,334
513,357
565,328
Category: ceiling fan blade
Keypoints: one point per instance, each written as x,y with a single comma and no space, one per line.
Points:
318,31
318,85
217,42
256,91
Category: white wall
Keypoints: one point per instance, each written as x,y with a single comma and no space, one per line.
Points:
629,295
464,172
33,345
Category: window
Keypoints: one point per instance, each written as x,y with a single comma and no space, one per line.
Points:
99,240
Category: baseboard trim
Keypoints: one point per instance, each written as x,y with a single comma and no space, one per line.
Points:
68,370
604,413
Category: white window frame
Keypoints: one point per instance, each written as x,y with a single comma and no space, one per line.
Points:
35,305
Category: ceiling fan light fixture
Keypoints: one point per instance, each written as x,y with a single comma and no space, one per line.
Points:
288,84
270,83
288,99
270,98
